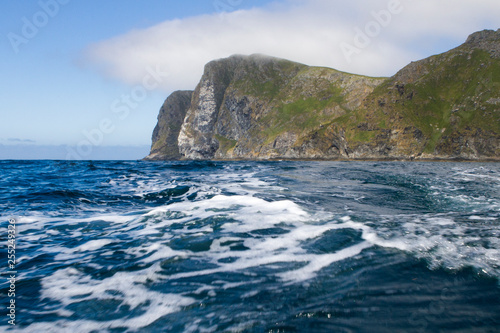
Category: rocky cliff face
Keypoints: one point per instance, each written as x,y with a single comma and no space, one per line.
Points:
165,135
440,107
259,107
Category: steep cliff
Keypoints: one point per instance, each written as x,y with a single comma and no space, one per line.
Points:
264,107
170,119
259,107
445,106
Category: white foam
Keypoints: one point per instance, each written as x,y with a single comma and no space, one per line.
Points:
319,262
441,241
478,173
33,238
69,286
270,237
249,214
93,245
252,213
64,253
25,223
163,252
481,218
250,293
283,248
440,221
114,218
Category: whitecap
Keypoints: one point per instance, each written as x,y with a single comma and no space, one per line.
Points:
68,286
319,262
93,245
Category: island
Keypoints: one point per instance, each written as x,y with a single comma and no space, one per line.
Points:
257,107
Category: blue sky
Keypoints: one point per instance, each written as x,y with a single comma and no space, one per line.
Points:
74,71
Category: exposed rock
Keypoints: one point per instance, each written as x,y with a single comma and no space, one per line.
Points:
487,40
260,107
170,120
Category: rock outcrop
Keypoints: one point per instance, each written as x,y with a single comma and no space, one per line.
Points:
165,135
260,107
442,107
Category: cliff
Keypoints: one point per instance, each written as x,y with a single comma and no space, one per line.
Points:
170,120
259,107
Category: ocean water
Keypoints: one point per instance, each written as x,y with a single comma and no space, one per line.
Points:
252,246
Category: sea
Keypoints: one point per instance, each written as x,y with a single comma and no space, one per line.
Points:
276,246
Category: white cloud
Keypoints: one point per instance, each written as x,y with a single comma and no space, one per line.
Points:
307,31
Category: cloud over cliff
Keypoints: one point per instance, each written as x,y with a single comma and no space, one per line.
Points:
371,37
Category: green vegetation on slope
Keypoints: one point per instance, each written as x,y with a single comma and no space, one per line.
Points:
445,105
456,94
301,115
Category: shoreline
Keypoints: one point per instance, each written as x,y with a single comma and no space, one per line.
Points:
416,160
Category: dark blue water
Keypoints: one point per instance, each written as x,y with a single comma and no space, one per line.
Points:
252,246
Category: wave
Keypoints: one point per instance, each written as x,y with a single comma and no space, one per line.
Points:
173,247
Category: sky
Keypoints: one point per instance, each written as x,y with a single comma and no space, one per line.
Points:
85,79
